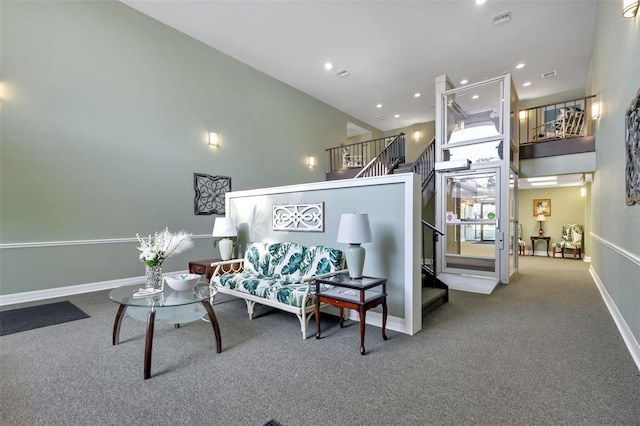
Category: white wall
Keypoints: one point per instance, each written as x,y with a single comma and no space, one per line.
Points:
393,205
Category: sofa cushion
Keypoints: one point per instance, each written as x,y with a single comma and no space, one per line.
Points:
320,260
293,294
256,258
247,282
285,259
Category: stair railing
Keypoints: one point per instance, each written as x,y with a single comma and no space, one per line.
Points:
431,268
424,165
388,159
356,154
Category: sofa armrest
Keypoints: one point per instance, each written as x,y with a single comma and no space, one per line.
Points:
232,266
313,278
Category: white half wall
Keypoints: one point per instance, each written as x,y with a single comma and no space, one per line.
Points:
393,205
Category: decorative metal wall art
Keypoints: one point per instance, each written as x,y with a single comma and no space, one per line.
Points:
210,192
299,217
632,145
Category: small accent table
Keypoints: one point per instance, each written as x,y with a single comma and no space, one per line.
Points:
202,267
344,292
537,238
173,307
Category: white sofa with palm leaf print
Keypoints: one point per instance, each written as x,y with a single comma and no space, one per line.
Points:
279,275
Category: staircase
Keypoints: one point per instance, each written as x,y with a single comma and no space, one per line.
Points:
390,159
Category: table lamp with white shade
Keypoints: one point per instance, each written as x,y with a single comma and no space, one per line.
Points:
223,228
354,230
541,218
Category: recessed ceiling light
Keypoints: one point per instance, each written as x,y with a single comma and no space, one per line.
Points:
328,66
528,83
396,116
416,95
379,106
475,97
520,65
481,1
464,81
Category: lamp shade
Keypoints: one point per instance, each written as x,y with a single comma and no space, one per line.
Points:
224,227
541,218
354,228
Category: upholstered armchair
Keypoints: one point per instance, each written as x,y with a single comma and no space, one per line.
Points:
571,239
521,244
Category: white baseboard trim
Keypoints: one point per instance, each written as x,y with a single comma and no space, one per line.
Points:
623,328
375,319
32,296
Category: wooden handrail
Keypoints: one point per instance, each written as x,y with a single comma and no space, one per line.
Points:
381,163
355,155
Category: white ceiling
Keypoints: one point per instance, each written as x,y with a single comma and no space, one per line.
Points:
392,49
556,181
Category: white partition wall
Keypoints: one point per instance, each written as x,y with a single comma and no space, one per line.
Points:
393,205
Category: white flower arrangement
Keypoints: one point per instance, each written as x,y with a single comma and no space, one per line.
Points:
155,250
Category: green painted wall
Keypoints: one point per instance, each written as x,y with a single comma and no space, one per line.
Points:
105,117
615,78
567,206
415,147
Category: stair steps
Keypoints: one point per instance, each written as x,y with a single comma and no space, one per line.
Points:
432,298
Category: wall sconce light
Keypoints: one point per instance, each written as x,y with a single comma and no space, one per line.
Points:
629,8
213,139
416,136
311,161
522,115
595,110
583,192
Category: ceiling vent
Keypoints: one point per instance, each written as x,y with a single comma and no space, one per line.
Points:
549,74
501,18
380,117
343,73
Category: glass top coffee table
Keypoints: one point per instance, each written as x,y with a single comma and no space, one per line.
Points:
173,307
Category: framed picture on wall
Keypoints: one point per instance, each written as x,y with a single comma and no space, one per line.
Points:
542,206
632,151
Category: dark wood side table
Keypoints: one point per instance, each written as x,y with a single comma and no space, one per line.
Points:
535,239
358,294
202,267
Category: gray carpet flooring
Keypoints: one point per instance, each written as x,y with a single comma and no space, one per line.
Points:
540,351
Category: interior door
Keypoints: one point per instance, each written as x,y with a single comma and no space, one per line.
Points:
473,235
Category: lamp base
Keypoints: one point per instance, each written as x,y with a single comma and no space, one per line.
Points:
540,232
226,248
355,260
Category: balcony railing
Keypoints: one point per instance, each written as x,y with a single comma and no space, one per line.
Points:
358,155
556,121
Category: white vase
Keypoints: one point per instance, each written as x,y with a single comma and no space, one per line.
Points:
226,248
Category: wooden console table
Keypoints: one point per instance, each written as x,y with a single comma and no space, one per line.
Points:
202,267
535,239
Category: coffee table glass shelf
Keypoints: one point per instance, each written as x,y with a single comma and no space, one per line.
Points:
168,306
